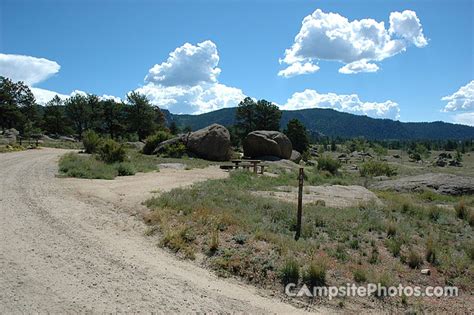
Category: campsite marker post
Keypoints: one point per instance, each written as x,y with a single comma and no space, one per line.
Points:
300,203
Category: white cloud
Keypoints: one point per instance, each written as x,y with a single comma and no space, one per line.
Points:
359,66
330,36
461,100
43,96
408,26
298,68
345,103
187,65
30,70
464,118
188,81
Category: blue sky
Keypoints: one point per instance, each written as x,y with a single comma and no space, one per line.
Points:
109,47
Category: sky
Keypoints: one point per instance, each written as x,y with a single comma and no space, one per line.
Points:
403,60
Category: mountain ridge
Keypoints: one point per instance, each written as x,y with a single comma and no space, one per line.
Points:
334,123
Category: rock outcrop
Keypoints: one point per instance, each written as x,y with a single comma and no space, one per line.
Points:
210,143
267,143
445,184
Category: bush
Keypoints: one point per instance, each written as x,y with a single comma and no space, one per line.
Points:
315,275
461,210
80,166
469,249
326,163
394,246
91,141
376,168
110,151
152,141
359,275
290,272
175,150
125,169
391,229
434,213
414,260
431,251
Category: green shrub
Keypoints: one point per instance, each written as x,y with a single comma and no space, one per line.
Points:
414,260
376,168
391,229
431,251
290,272
434,213
175,150
469,249
80,166
152,141
91,141
315,275
359,275
394,246
461,210
214,244
326,163
125,169
374,256
110,151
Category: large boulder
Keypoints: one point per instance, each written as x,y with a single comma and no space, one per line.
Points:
446,184
295,156
210,143
10,135
263,143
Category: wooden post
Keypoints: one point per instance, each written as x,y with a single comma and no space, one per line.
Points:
300,203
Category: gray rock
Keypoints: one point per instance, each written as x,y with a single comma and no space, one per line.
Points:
174,166
10,135
210,143
446,184
46,138
68,139
138,145
295,156
263,142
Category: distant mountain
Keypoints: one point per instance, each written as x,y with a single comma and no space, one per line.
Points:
333,123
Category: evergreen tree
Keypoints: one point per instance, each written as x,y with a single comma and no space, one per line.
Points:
296,132
54,119
143,118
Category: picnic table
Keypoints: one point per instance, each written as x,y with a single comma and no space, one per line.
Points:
249,163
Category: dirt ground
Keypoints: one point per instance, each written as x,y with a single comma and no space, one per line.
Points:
73,245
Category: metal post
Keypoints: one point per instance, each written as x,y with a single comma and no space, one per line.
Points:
300,203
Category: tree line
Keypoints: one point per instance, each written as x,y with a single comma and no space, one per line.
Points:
254,115
134,119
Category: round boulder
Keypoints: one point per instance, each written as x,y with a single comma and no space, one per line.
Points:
210,143
263,142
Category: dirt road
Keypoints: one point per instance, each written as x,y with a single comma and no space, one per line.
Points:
65,250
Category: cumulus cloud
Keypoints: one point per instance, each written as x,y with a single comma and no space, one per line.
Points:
187,65
359,66
461,100
357,44
298,68
464,118
30,70
187,82
345,103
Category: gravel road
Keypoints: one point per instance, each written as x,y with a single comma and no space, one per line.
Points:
64,250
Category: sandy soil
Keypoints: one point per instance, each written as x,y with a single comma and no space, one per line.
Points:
334,196
78,246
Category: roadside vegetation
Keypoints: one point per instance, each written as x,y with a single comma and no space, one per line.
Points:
252,237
